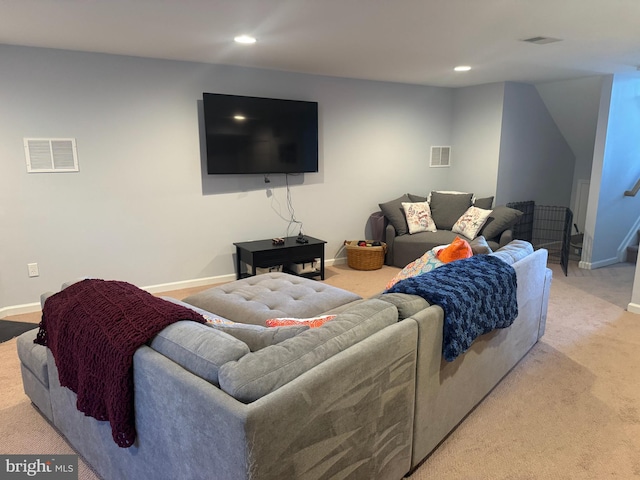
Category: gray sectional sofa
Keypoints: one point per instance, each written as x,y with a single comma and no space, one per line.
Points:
366,396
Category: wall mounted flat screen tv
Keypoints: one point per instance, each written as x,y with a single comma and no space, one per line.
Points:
260,135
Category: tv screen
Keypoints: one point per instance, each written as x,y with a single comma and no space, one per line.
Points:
260,135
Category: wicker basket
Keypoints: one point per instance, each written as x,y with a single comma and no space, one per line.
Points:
365,258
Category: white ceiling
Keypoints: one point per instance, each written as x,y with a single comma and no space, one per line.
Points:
410,41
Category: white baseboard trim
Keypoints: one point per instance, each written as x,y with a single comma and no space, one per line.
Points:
19,309
162,287
599,264
633,308
196,282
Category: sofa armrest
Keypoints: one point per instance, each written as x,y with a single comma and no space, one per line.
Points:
505,237
389,237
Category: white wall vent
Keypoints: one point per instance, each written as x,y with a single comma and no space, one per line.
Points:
440,157
51,155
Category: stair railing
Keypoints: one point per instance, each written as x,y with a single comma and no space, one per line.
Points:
633,191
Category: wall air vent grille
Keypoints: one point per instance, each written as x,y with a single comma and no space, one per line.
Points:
48,155
440,157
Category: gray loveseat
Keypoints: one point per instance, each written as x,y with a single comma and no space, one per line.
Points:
366,396
404,247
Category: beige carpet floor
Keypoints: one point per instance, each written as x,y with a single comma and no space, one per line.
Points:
569,410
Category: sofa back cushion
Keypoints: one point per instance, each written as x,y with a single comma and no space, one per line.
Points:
485,203
198,348
514,251
259,373
447,208
407,305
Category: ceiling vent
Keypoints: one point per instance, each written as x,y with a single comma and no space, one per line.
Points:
47,155
541,40
440,157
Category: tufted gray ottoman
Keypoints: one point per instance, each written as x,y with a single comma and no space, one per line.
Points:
271,295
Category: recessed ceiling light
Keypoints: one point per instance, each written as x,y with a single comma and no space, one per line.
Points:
245,39
542,40
239,117
462,68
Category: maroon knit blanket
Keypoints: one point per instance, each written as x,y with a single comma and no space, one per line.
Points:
93,328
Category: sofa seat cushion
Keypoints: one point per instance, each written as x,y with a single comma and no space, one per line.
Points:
259,373
33,356
198,348
255,336
258,337
409,247
271,295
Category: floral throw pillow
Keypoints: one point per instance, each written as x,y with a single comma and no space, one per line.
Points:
419,217
425,263
210,319
311,322
471,221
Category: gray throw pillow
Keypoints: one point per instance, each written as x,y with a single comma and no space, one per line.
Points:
447,208
484,203
395,214
479,246
501,218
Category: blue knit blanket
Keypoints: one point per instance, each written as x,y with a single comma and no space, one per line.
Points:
477,294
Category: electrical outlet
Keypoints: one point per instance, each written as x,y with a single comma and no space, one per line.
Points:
33,269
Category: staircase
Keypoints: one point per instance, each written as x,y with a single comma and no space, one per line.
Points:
632,251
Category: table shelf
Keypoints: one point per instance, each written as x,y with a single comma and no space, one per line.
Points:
264,254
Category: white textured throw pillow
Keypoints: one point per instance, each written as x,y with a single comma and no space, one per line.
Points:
471,221
419,217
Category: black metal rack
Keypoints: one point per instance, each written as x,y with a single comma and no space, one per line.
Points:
546,227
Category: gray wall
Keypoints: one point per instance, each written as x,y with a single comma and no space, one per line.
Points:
574,106
477,123
536,162
141,210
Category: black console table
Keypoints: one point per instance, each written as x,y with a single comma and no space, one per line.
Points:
262,253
